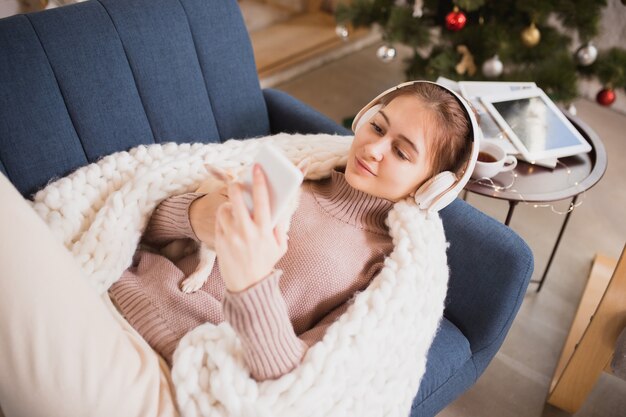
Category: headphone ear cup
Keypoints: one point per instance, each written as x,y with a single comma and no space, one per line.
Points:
365,117
432,190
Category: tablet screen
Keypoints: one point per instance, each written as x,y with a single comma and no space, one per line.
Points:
535,124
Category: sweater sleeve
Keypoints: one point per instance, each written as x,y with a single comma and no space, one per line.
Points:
170,220
260,318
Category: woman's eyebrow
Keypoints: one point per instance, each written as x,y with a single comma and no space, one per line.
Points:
400,136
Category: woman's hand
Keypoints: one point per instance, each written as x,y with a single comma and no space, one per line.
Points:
247,247
203,213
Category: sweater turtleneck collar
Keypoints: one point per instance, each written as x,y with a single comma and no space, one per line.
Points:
340,200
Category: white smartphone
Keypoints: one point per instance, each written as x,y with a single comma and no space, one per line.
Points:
283,178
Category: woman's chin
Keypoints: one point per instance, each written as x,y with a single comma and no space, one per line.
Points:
355,180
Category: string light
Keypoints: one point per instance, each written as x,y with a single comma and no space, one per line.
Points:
488,182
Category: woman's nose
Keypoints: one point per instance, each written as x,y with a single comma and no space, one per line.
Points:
376,149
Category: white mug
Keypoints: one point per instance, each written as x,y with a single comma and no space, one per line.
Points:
490,167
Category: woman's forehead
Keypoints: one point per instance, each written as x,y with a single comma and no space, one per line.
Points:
412,116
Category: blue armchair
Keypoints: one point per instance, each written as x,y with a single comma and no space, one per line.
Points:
82,81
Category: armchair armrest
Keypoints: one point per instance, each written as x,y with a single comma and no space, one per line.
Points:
290,115
490,268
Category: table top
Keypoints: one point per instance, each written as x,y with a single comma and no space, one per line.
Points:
532,183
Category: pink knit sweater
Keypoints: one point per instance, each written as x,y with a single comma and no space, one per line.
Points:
337,243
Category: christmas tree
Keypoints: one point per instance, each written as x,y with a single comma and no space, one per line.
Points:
478,40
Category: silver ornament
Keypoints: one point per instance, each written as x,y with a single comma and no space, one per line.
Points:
586,54
342,32
493,67
386,53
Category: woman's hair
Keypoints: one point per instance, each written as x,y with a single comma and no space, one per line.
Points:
451,145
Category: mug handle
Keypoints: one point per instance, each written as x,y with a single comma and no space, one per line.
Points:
510,162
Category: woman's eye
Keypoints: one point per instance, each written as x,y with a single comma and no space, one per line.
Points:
376,127
401,154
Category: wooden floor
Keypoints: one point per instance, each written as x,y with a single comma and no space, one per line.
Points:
516,383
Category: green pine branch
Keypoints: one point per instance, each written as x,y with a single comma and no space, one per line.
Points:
581,15
495,27
404,28
610,68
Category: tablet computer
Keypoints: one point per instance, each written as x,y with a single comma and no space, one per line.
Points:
473,90
535,125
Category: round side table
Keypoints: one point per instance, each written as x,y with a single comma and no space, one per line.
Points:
536,184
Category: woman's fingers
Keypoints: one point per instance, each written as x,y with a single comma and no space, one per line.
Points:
248,247
260,197
238,206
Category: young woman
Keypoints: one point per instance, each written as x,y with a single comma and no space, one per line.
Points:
281,297
64,353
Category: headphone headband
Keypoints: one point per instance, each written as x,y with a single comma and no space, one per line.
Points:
425,197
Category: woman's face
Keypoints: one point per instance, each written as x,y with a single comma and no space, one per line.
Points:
389,157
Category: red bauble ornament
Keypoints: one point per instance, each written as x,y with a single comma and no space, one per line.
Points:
606,96
455,20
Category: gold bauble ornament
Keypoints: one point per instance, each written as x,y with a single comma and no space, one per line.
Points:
531,35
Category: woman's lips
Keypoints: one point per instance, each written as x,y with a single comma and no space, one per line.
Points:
363,166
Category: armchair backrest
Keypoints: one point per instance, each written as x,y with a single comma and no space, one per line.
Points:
183,71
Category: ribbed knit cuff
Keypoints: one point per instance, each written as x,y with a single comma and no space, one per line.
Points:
260,319
170,220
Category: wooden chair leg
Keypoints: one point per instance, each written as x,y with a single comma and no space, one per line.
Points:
600,318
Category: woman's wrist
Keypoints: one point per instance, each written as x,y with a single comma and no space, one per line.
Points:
239,287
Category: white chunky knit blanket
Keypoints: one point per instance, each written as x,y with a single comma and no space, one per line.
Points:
369,363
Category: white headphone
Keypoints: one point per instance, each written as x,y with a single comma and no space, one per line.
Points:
443,188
